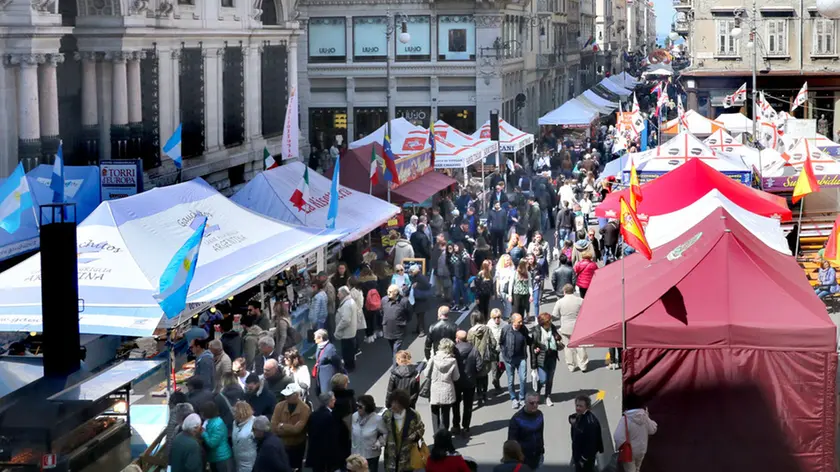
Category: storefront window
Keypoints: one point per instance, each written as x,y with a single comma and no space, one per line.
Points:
325,124
370,41
420,46
418,116
461,118
456,38
327,40
368,120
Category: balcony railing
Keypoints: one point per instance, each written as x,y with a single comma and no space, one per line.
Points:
546,61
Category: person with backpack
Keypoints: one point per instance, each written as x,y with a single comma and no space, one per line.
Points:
285,334
404,376
487,352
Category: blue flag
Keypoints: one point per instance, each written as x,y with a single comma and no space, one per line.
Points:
172,148
57,179
390,172
15,198
175,280
332,212
644,138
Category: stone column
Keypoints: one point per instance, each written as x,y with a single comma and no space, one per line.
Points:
29,125
119,104
293,65
135,104
213,107
48,106
89,146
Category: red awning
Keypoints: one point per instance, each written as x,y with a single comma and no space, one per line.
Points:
716,286
420,189
688,183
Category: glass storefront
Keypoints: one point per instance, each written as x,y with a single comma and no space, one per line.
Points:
418,116
325,124
462,118
367,120
327,40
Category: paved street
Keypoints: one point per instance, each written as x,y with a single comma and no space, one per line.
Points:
489,424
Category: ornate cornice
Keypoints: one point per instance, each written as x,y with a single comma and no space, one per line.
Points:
25,59
488,21
87,55
53,60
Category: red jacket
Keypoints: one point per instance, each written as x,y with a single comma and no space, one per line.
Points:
585,270
448,464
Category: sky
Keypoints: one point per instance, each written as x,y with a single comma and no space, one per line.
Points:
664,13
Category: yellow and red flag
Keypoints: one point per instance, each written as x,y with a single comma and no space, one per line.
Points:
806,183
635,188
832,247
632,231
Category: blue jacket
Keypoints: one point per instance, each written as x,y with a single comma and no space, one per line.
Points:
215,437
514,344
205,369
527,429
328,363
828,278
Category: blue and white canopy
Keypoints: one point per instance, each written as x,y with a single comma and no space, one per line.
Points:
81,186
125,245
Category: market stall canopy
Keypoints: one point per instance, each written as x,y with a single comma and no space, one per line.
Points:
572,114
270,193
760,298
735,122
510,138
81,186
615,167
683,148
698,125
660,71
603,105
625,80
459,138
663,229
688,183
125,245
614,87
787,142
781,175
406,138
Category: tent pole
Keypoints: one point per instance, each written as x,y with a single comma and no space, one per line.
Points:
483,190
623,314
799,228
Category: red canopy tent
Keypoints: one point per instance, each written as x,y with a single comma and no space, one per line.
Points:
688,183
729,348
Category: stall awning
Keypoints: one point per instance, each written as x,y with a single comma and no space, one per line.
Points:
420,190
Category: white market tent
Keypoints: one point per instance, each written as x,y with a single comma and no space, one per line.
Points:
603,105
510,138
794,159
269,193
721,141
406,138
679,150
660,71
663,229
625,80
614,87
786,143
125,245
735,122
698,125
572,114
455,149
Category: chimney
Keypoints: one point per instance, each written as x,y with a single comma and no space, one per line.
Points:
59,289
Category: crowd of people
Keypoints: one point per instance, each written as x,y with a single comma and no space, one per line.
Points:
254,405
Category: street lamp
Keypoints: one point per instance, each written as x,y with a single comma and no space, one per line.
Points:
829,8
404,38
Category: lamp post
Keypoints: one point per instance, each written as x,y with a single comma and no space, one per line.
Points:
736,33
403,38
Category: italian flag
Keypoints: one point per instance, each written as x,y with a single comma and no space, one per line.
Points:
301,195
374,177
270,163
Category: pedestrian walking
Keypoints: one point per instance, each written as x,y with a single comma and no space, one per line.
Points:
215,438
513,459
242,437
468,366
545,351
520,289
322,455
443,457
402,429
487,353
485,288
584,272
271,456
442,329
327,362
443,371
404,376
634,427
527,427
366,435
587,442
566,311
396,311
345,327
514,342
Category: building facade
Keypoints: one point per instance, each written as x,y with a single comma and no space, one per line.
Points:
610,26
641,26
463,60
112,79
793,44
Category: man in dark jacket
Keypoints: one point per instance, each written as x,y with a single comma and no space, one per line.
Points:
424,293
232,342
565,224
443,328
461,235
271,453
562,275
421,244
275,379
396,311
261,399
185,451
513,344
610,234
327,362
497,220
527,428
323,436
498,195
199,394
534,217
468,366
587,441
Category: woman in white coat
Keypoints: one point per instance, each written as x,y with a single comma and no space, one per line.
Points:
366,439
244,444
443,372
634,426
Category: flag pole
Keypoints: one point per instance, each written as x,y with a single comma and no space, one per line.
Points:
799,227
623,314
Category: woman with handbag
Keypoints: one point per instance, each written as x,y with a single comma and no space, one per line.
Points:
402,429
632,433
545,351
443,456
366,437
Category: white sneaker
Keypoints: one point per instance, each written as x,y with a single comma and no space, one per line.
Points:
548,402
514,404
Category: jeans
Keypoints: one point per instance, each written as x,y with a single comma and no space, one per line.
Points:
510,367
459,291
822,293
545,373
535,305
464,397
348,353
563,234
440,417
443,286
609,254
615,355
544,221
396,345
507,308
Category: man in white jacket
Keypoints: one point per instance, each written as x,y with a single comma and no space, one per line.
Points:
345,327
635,423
